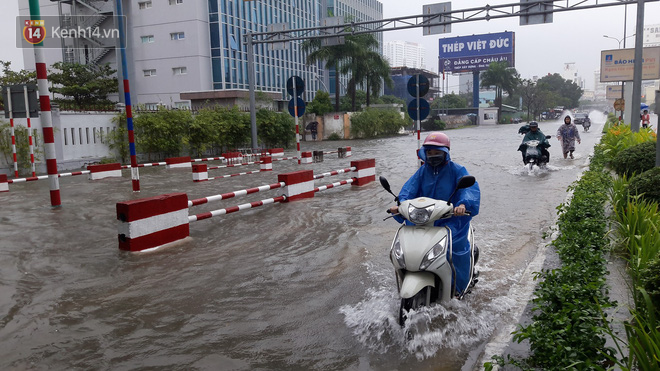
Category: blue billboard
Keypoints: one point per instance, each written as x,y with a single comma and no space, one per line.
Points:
476,52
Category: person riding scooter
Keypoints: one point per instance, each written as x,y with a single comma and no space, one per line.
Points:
535,133
437,179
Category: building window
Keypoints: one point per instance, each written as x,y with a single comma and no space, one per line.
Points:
147,39
180,70
176,2
144,5
148,73
66,140
177,36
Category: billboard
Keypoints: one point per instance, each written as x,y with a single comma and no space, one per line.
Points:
619,64
614,92
476,52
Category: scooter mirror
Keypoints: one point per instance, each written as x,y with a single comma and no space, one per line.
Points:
384,183
548,136
465,182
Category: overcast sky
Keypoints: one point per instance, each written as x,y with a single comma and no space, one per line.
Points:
574,36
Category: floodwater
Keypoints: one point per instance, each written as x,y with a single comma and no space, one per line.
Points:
301,285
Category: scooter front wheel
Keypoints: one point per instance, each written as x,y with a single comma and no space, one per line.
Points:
415,302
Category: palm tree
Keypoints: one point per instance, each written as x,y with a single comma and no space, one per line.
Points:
332,56
503,78
378,71
364,65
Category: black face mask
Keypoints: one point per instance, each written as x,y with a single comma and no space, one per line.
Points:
436,160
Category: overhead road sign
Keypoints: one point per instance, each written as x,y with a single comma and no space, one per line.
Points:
332,21
437,15
279,29
535,12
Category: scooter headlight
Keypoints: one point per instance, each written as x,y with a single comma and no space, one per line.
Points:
397,253
420,215
437,250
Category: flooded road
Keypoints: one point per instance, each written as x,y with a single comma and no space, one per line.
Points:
301,285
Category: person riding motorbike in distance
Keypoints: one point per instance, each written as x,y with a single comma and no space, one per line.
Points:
535,133
437,178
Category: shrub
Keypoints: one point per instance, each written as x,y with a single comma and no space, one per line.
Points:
646,184
334,136
650,280
635,160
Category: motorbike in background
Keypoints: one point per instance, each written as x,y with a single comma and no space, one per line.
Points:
422,253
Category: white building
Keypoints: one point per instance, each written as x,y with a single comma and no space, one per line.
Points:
176,46
404,54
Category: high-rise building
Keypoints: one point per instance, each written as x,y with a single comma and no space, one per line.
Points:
176,46
405,54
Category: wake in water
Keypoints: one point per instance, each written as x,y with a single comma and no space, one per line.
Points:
455,325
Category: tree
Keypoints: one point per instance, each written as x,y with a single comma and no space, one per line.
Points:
377,71
332,56
10,77
359,49
449,101
566,93
321,104
502,77
85,84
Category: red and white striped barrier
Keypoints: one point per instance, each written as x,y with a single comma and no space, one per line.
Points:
276,152
178,162
208,159
4,185
336,172
149,223
266,163
336,184
306,158
104,171
42,177
243,192
145,165
299,184
152,222
234,209
366,171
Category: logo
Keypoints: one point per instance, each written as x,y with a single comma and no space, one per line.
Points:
608,57
34,31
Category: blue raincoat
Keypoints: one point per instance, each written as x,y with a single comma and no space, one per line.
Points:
439,183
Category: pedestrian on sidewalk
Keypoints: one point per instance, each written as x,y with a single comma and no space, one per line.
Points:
567,134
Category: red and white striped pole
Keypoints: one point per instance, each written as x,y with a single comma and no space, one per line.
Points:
46,118
13,136
29,129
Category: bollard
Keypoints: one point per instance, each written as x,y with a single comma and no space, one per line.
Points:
4,185
341,152
306,158
152,222
101,171
266,163
318,156
200,172
276,152
366,171
299,184
348,151
174,162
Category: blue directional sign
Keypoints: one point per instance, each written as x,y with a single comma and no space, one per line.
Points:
424,109
301,107
423,85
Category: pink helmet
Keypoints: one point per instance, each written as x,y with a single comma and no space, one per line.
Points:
437,138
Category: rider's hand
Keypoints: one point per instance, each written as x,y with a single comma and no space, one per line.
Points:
394,209
579,142
459,210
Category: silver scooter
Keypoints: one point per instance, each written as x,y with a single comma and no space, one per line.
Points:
422,254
